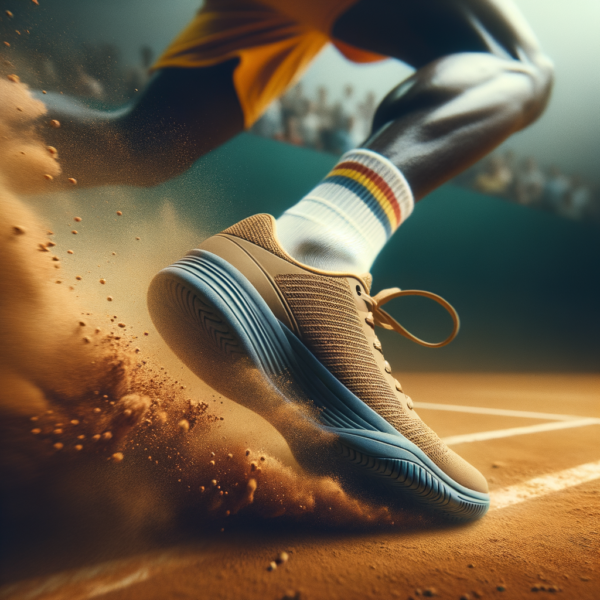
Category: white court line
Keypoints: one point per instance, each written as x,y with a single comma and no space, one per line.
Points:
501,412
541,486
502,433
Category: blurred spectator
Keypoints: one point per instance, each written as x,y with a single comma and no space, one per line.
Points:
311,127
365,112
294,103
291,131
340,140
557,187
496,177
576,201
529,183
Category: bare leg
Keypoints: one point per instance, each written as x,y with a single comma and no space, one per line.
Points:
481,76
181,115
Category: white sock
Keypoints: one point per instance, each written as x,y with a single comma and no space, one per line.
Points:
343,223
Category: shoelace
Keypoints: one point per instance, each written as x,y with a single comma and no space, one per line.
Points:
378,316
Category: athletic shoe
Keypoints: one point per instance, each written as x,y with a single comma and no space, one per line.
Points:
298,346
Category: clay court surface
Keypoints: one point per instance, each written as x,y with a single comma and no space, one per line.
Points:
535,437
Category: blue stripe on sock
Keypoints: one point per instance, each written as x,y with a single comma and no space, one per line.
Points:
365,195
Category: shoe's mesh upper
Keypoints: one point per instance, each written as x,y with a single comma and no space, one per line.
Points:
326,315
329,325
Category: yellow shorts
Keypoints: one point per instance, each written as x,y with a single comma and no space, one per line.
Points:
275,41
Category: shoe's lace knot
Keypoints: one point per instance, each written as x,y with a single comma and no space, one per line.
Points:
378,316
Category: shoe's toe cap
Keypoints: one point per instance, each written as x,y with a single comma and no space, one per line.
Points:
464,473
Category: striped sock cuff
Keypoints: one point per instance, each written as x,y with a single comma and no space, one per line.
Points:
378,183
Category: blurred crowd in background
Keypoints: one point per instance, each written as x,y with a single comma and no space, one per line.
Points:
319,123
522,180
97,73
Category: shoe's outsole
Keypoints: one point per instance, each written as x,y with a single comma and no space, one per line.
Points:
218,324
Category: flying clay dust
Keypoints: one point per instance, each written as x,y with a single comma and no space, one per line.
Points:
99,419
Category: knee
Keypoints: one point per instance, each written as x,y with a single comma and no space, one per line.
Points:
525,83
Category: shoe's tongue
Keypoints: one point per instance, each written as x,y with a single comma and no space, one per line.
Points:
368,279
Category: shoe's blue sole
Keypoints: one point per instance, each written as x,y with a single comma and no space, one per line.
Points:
216,321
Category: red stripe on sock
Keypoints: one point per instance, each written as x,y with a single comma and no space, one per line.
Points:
379,181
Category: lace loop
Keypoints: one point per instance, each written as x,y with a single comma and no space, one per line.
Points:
385,320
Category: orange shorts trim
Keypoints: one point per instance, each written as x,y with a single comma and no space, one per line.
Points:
275,41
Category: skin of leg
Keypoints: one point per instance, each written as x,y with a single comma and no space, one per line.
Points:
480,77
179,116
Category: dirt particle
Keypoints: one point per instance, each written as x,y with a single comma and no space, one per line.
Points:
211,463
272,566
74,232
230,455
96,410
214,483
87,340
107,435
146,333
77,219
103,281
109,298
74,422
82,323
282,558
58,446
253,466
119,213
184,425
72,180
465,597
138,239
78,447
54,123
121,324
14,78
501,588
430,592
58,431
9,14
471,566
52,150
117,457
36,431
202,488
48,177
69,251
535,588
18,230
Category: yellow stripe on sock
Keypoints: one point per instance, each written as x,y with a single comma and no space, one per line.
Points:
374,189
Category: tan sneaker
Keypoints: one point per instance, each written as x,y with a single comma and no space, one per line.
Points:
261,328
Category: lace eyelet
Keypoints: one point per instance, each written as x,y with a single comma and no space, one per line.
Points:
409,403
387,367
358,290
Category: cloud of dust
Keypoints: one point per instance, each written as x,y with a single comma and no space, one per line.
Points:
88,409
